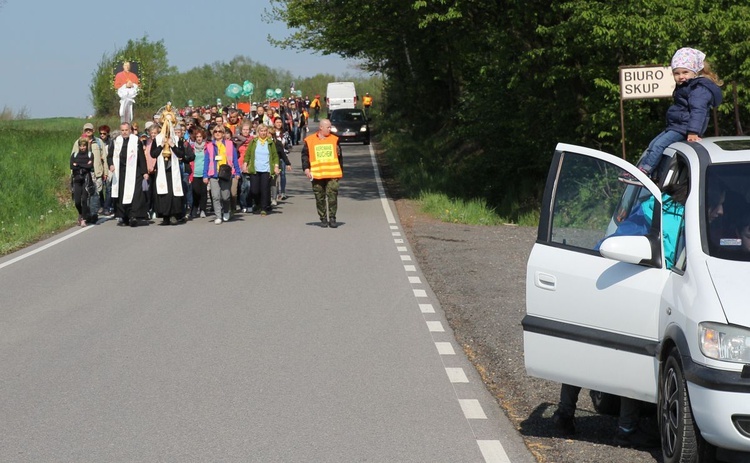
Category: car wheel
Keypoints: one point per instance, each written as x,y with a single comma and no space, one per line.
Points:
681,441
366,142
605,404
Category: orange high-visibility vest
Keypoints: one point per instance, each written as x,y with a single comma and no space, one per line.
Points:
324,156
367,100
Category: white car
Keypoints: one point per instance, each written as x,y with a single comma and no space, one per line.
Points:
616,303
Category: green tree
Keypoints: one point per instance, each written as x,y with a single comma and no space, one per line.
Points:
153,69
506,80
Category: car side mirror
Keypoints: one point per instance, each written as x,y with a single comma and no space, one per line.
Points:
628,249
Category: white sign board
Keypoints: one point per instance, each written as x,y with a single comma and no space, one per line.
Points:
639,82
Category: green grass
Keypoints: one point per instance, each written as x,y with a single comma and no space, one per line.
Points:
473,212
35,198
424,179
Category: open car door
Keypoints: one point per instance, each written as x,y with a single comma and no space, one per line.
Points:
593,321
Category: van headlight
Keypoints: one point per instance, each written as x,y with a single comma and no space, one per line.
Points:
363,128
725,342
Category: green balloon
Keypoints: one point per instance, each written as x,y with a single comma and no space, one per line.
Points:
278,92
269,93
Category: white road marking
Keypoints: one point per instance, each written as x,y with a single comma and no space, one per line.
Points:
414,280
493,451
456,375
46,246
426,308
472,409
401,249
445,348
435,327
420,293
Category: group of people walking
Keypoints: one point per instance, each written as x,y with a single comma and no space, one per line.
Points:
186,166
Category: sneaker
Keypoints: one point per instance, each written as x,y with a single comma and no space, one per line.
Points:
284,197
332,223
173,220
263,213
217,221
244,210
323,223
635,438
565,424
225,217
274,202
203,214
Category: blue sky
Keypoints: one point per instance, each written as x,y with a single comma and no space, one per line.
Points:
50,48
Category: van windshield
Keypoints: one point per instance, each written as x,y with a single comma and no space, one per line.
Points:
726,209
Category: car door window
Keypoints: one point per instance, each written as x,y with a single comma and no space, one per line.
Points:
591,201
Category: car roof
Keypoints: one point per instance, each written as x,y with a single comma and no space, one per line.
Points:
727,149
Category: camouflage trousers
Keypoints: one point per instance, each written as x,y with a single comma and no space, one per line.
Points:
326,190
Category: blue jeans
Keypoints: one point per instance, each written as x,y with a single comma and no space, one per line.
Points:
108,203
652,155
186,190
245,201
282,180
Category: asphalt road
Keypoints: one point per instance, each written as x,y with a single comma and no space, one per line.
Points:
265,339
478,274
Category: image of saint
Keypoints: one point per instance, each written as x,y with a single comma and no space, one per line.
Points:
127,85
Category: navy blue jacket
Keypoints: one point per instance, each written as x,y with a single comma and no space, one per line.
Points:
692,102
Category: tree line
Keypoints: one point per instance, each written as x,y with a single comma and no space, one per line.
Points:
487,88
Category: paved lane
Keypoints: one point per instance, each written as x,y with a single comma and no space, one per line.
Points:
265,339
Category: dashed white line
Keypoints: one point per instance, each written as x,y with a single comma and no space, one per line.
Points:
426,308
420,293
456,375
435,327
445,348
493,451
472,409
414,280
401,249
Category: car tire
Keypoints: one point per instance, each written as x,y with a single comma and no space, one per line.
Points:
605,404
681,440
366,142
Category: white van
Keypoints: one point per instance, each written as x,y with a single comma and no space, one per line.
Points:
657,312
341,95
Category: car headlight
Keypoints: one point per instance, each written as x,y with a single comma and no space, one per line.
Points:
725,342
363,128
334,129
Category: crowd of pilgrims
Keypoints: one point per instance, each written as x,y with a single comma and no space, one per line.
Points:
223,161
